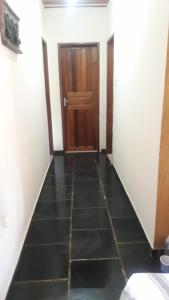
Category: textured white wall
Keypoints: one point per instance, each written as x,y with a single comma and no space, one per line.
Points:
64,25
24,151
141,29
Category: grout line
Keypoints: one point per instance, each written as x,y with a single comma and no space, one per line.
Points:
112,227
40,281
131,217
94,259
60,201
50,219
56,186
88,207
46,244
132,243
81,229
70,242
87,192
78,190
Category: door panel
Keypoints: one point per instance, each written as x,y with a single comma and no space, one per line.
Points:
109,125
47,91
80,100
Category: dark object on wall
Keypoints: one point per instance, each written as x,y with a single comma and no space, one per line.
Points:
9,22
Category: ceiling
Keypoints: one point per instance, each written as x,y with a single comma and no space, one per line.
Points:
63,3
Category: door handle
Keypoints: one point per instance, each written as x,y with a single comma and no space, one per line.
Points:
65,101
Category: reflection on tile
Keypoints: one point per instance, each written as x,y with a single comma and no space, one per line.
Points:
48,231
60,168
128,230
58,180
137,258
43,262
88,199
120,207
96,293
56,193
96,279
90,218
39,291
52,209
93,244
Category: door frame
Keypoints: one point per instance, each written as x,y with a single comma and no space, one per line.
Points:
47,92
71,45
109,118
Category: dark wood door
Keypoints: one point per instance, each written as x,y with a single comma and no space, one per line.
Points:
47,90
109,124
79,72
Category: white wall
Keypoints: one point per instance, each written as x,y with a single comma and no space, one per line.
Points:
24,150
75,25
110,18
141,29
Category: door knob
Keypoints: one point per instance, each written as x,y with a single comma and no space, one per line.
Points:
65,101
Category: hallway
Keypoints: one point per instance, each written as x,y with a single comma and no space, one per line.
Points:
84,240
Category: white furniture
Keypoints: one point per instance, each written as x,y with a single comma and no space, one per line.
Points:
147,286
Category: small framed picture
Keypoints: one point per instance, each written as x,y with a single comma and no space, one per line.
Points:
9,26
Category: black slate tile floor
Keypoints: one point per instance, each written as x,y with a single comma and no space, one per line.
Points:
84,240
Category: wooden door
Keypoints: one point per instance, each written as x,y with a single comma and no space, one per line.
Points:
109,124
47,90
79,74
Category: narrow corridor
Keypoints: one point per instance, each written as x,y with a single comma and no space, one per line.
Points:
84,240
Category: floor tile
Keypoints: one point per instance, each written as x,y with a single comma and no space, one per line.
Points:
85,164
96,293
120,207
96,280
66,158
84,156
52,209
90,218
137,258
60,168
48,231
56,193
102,161
87,185
93,244
86,174
88,199
43,262
58,180
110,178
128,230
103,169
112,190
39,291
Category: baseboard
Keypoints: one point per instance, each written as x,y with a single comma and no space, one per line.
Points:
24,236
